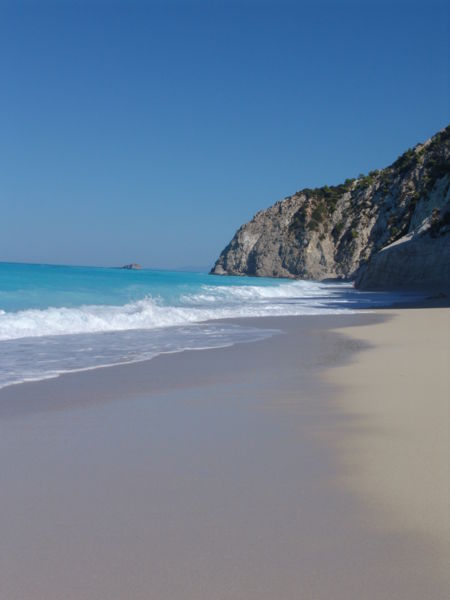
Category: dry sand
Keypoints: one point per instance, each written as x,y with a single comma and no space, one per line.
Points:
229,474
397,451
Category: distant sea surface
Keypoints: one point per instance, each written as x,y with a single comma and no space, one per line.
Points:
57,319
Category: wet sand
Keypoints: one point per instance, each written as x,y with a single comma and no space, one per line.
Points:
220,474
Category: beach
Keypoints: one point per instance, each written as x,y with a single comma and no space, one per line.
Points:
398,394
224,300
309,465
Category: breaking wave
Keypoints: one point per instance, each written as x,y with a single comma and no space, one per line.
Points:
211,302
62,319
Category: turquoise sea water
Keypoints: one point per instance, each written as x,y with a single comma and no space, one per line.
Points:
55,319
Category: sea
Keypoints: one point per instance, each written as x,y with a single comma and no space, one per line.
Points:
59,319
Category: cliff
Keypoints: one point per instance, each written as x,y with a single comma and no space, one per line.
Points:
378,229
419,260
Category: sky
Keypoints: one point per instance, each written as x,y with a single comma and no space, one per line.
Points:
150,131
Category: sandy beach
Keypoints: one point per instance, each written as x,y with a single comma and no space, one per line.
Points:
308,466
224,300
397,450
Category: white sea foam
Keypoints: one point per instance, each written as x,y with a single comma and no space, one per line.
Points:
211,302
44,343
35,358
295,289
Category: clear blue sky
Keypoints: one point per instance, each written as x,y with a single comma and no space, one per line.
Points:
149,131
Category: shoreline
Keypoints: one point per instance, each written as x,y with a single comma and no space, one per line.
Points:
253,322
229,472
142,377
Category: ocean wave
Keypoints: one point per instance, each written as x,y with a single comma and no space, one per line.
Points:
293,289
55,321
210,302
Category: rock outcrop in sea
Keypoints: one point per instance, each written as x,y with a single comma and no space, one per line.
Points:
387,229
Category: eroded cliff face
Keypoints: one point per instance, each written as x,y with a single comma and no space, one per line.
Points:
418,260
333,232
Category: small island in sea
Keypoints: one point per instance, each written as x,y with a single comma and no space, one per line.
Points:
132,267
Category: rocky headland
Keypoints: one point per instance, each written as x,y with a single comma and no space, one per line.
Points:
387,229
